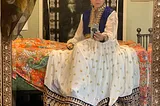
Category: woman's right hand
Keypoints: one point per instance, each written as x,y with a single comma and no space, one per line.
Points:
70,46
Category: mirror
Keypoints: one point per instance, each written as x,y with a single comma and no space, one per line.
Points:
129,30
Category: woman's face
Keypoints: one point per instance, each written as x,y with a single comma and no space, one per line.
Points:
97,3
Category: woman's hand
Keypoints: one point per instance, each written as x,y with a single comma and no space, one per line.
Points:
70,46
99,37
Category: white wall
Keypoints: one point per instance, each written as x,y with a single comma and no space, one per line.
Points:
139,15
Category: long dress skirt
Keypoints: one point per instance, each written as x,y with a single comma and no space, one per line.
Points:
93,71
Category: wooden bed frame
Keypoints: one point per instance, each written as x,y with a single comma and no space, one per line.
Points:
144,39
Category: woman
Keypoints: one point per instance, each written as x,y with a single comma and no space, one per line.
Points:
92,18
97,68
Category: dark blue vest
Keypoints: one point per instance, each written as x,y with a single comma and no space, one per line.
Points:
86,19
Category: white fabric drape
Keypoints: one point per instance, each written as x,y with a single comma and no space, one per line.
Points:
93,71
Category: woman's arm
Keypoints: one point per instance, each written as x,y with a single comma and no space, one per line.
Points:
78,35
111,26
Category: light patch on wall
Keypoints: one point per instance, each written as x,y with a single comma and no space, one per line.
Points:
25,28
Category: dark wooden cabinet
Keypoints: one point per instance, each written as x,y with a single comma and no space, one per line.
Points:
28,98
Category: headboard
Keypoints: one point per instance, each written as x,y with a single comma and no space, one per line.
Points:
144,39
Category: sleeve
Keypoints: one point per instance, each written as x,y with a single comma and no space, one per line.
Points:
111,26
79,33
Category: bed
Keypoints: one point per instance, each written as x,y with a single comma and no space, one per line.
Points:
30,60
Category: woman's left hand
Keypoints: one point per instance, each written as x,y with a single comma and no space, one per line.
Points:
98,36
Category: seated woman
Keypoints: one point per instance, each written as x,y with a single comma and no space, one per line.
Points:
97,67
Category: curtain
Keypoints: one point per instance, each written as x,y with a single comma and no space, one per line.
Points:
14,16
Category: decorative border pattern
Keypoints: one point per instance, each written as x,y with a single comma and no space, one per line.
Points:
52,99
6,70
155,74
0,62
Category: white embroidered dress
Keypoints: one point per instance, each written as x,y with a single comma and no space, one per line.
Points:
93,71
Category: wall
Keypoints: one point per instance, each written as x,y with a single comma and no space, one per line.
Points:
33,24
139,15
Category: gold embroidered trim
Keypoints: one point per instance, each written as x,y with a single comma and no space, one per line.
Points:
54,98
96,15
87,36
